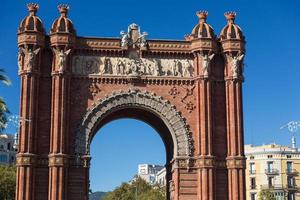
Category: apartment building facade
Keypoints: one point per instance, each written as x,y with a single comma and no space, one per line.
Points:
275,168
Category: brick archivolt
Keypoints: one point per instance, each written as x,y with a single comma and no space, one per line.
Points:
183,145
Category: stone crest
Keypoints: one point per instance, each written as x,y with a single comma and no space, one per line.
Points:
133,38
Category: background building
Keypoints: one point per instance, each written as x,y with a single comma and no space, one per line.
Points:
273,167
7,149
153,174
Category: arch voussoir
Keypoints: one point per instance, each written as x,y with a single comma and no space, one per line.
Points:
135,98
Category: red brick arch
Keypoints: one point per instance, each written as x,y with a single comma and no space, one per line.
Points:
182,141
189,90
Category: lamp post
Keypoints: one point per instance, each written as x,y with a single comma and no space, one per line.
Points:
292,127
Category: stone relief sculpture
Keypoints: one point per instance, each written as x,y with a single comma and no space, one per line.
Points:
206,63
235,63
30,57
120,66
61,58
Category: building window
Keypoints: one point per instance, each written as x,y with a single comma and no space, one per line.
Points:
253,196
289,166
251,157
1,147
270,182
252,183
270,156
290,181
288,156
252,168
270,167
3,158
8,146
291,196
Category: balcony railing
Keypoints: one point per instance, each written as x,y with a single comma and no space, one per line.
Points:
272,172
276,186
292,187
292,172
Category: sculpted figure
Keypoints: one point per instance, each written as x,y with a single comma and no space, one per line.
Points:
30,57
101,66
206,63
142,40
235,63
108,66
61,59
187,68
20,56
178,68
120,67
77,69
124,39
156,70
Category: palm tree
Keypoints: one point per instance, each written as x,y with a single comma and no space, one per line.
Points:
3,108
4,79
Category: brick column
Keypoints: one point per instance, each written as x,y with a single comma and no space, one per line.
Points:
206,160
31,41
233,49
58,157
235,133
62,40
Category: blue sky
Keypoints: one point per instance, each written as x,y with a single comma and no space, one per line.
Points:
271,89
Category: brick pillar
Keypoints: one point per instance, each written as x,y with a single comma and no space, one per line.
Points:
233,49
31,41
58,157
62,39
86,167
206,160
235,133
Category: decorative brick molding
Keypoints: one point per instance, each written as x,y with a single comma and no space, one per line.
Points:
58,160
236,162
26,159
183,146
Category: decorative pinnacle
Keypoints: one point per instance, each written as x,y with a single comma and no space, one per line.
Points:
63,9
202,15
230,16
32,8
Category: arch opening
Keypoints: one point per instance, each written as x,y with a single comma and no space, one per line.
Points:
120,148
142,115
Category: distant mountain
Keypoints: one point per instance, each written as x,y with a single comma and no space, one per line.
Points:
97,195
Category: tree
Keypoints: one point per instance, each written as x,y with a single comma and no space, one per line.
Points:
138,189
266,194
3,108
7,182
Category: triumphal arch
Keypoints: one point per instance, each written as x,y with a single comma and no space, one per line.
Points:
189,90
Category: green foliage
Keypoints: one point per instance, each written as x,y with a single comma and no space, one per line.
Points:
266,194
7,182
138,189
3,108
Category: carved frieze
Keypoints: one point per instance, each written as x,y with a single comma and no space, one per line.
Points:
121,66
